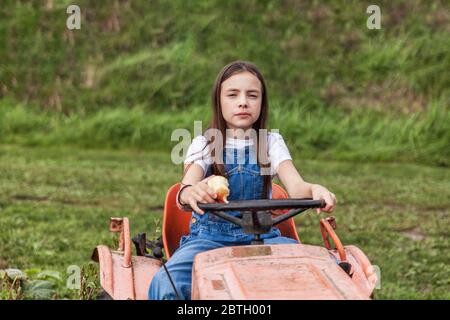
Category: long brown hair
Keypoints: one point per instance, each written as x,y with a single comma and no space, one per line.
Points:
218,122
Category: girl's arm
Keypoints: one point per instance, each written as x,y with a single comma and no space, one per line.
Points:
193,174
198,191
298,188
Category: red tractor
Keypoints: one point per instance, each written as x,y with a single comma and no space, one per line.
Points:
256,271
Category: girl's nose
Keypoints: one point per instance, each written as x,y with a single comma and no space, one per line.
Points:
243,101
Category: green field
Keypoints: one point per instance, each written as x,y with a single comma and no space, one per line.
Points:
56,204
86,118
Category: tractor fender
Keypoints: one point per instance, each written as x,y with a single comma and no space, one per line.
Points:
122,281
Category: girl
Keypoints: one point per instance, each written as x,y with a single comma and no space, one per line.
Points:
240,104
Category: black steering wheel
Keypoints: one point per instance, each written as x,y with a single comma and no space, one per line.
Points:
256,214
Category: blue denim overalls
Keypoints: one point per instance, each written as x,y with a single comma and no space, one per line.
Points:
209,232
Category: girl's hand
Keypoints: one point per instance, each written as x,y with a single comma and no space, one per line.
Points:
199,192
322,193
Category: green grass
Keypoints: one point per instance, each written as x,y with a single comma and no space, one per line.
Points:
86,118
164,55
55,204
310,132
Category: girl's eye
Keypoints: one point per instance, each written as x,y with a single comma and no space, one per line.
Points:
253,96
232,95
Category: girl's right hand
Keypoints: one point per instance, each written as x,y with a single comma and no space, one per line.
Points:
199,192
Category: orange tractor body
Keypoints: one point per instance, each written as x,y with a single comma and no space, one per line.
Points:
282,271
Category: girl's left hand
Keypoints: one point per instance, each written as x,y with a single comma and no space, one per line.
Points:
319,192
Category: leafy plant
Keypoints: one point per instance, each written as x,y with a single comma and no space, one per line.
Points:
16,284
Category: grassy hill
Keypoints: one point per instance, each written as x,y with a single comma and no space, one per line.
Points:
136,70
164,55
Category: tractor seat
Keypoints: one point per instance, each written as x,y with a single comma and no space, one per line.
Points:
176,221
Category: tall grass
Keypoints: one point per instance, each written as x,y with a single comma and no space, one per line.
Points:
137,70
164,55
327,133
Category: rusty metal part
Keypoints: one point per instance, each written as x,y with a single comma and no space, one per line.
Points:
121,275
327,232
116,225
364,274
102,254
332,221
327,227
290,271
122,226
125,283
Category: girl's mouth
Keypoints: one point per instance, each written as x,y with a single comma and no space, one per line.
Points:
242,114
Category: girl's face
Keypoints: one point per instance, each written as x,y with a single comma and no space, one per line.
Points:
240,100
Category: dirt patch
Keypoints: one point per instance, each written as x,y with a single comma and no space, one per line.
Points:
28,197
380,97
414,234
108,203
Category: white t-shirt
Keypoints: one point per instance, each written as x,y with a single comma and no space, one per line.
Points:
199,154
